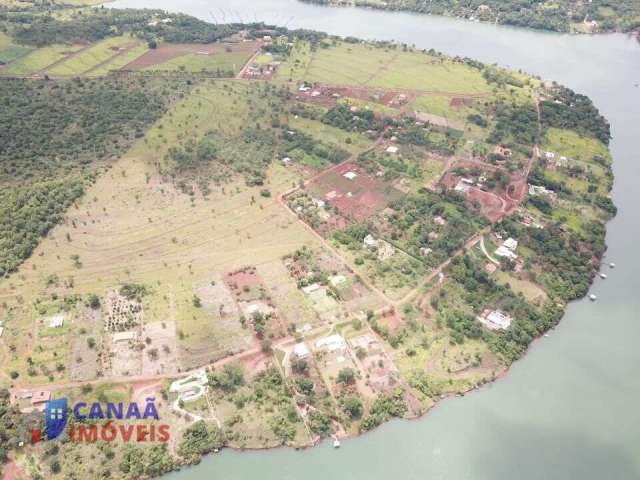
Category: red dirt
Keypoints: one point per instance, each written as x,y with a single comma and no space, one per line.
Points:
329,95
168,51
356,199
493,205
11,470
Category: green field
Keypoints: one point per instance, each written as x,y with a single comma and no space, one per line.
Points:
118,62
38,60
193,62
359,64
352,142
9,51
92,57
573,145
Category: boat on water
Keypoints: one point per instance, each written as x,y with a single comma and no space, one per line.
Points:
336,443
612,265
592,297
603,275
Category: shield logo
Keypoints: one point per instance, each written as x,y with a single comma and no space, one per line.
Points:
56,417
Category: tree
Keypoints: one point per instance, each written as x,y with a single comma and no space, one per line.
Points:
352,406
347,376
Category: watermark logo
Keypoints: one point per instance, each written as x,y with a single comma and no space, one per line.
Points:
55,417
109,422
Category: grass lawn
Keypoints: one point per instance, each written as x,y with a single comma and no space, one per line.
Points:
570,144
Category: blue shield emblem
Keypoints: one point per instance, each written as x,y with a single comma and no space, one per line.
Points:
56,417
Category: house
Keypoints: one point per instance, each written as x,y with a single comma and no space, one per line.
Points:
463,186
332,343
490,268
535,190
40,396
503,251
502,151
336,280
304,88
370,242
495,320
392,149
425,251
385,250
286,160
56,321
364,342
439,220
309,289
511,244
318,203
550,155
123,336
350,175
301,351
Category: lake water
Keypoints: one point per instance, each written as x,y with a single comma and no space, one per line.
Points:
569,409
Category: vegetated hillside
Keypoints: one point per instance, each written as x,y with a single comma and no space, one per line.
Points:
36,28
52,134
560,16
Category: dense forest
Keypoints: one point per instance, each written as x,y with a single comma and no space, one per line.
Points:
567,109
608,15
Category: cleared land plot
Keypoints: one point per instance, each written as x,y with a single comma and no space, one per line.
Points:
9,51
354,192
92,57
160,355
352,142
359,64
195,57
38,60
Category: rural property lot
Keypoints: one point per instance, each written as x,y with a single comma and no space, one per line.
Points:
195,57
356,193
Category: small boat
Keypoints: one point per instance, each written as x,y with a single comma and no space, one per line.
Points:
592,297
546,335
336,443
603,276
612,265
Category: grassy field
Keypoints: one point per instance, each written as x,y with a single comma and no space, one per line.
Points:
91,57
133,227
359,64
38,60
9,51
352,142
572,145
119,61
224,61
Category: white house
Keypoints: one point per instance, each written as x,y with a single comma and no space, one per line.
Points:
301,351
332,343
503,251
310,288
350,175
56,321
370,242
392,149
511,244
496,320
